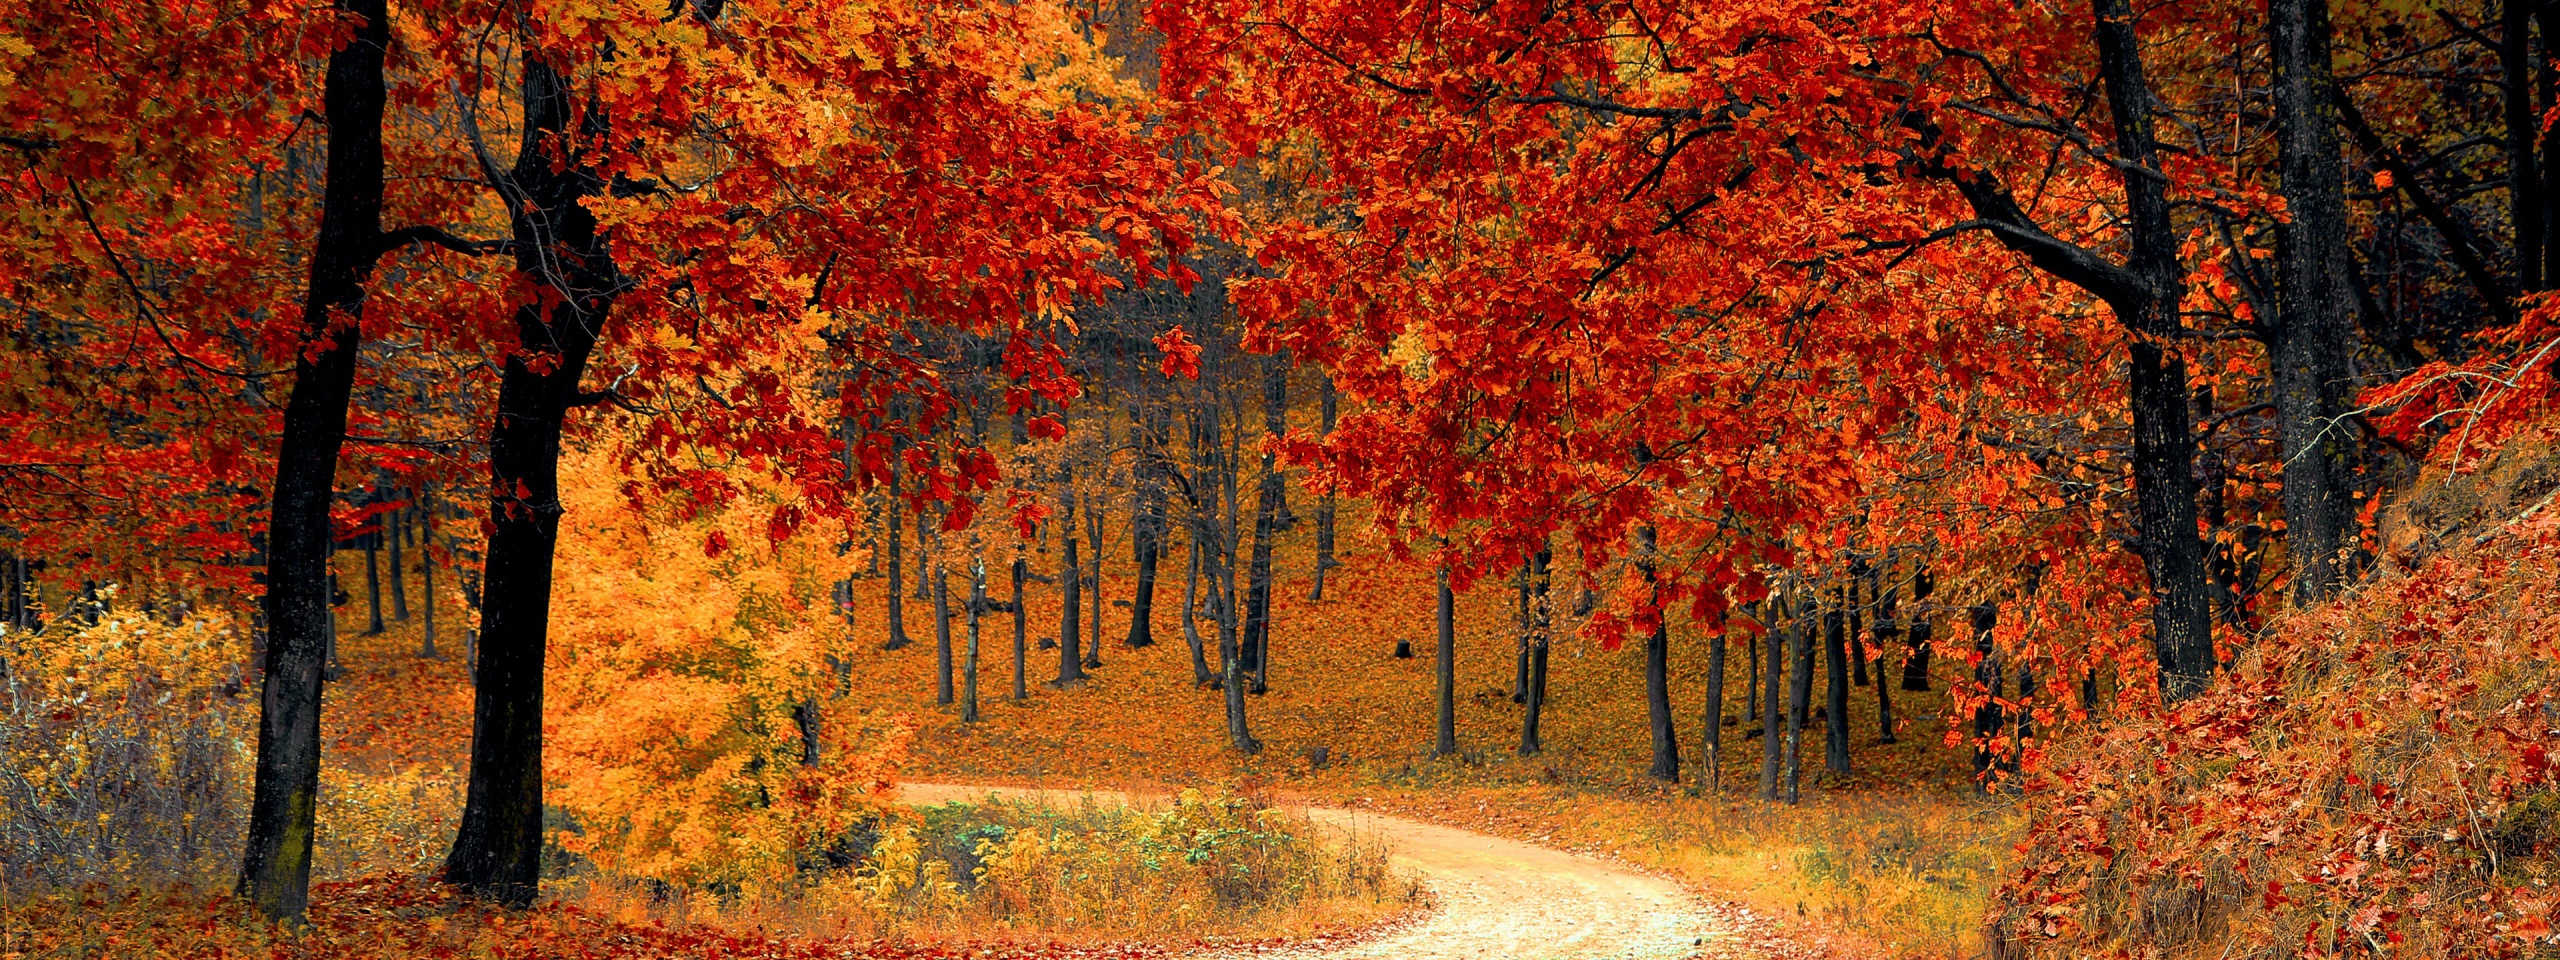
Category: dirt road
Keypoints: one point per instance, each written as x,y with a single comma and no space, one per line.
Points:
1497,898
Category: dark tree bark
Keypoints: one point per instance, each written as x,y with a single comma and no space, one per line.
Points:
1214,508
2523,126
942,695
1070,593
1520,619
427,571
1782,627
1021,631
399,527
1266,514
1200,673
2314,340
497,851
1915,671
969,661
275,865
1445,620
373,583
1711,752
1092,581
898,638
1799,695
924,558
1987,718
1835,686
1886,628
1541,619
1328,402
1657,673
1861,577
2144,292
1147,522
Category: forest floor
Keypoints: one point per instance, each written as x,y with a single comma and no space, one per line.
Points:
1895,858
1493,897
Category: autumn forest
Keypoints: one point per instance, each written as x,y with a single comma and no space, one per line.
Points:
1043,479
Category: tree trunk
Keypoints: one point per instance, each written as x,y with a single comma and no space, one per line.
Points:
1092,580
427,571
399,572
1146,524
373,582
942,695
1445,619
1200,673
1070,593
1835,687
1021,631
1266,514
1886,628
1328,401
2523,127
1799,698
898,638
1782,625
2163,438
1987,718
924,558
275,864
497,851
1520,619
1541,617
1860,577
969,663
1657,674
2315,337
807,720
1915,671
1712,750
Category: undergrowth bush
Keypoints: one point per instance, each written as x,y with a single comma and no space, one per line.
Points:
2373,779
123,757
1000,868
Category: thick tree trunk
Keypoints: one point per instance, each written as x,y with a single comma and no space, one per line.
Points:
2523,129
898,638
1799,698
497,851
2163,437
275,865
1861,577
1541,618
2313,349
1445,621
1835,688
1657,675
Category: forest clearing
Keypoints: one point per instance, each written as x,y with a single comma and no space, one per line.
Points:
1324,479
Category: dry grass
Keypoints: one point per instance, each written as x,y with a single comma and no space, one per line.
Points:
1030,871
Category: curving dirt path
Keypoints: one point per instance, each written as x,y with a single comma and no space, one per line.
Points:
1497,898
